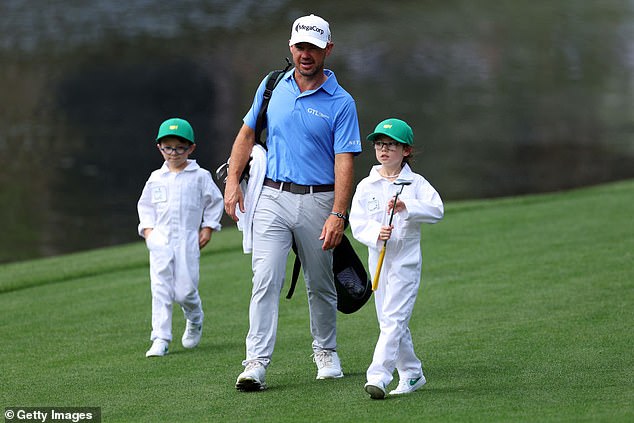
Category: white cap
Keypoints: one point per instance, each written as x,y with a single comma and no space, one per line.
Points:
310,29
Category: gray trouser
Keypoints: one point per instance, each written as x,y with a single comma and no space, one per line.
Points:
279,217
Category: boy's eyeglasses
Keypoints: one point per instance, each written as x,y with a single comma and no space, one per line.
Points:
391,146
178,150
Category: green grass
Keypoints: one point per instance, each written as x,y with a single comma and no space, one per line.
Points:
525,314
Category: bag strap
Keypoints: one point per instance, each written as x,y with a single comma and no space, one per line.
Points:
297,264
296,267
272,79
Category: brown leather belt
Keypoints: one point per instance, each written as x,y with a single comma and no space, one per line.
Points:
297,189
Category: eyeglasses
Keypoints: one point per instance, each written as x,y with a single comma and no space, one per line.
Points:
178,150
391,146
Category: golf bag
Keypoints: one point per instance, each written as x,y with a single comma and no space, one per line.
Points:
354,288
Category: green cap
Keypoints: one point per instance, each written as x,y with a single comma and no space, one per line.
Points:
177,128
395,129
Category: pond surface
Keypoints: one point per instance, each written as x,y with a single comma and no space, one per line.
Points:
504,99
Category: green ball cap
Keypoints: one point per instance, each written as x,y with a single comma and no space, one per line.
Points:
176,127
395,129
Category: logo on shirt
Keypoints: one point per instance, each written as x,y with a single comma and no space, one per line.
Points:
159,194
373,203
317,113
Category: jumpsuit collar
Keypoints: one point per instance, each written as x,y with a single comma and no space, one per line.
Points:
375,176
191,165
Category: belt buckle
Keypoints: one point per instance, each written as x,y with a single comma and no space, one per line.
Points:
298,189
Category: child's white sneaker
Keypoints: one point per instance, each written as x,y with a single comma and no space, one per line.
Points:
252,378
328,364
193,332
407,386
375,389
158,348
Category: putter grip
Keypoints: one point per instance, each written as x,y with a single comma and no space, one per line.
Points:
375,282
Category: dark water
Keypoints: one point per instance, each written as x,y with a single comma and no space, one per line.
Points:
504,99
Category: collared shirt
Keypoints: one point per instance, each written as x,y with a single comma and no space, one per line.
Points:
176,203
306,130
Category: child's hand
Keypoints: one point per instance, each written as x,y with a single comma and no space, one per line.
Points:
147,232
400,206
385,233
203,237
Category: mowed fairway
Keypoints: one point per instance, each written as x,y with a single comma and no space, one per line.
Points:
525,314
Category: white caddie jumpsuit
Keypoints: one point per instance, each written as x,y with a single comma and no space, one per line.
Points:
400,276
177,206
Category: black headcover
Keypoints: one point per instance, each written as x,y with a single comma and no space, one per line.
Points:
354,288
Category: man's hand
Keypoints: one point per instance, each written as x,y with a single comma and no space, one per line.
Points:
240,154
233,196
332,232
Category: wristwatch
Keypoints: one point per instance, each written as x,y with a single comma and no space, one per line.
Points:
339,215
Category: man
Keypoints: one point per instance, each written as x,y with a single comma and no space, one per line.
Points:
312,138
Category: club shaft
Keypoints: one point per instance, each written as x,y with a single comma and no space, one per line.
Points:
379,266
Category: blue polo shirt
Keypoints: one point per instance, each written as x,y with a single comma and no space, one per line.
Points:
306,130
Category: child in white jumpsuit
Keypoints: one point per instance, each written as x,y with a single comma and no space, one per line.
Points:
400,275
179,208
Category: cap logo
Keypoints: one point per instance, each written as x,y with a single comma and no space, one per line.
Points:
173,127
314,28
387,126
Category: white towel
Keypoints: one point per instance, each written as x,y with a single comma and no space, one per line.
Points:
251,192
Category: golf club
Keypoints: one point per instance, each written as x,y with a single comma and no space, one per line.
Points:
375,282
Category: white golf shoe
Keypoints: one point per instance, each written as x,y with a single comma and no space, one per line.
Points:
193,332
407,386
252,378
375,389
158,348
328,365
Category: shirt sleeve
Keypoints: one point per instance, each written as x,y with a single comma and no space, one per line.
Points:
347,134
213,204
364,229
147,214
251,117
427,207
